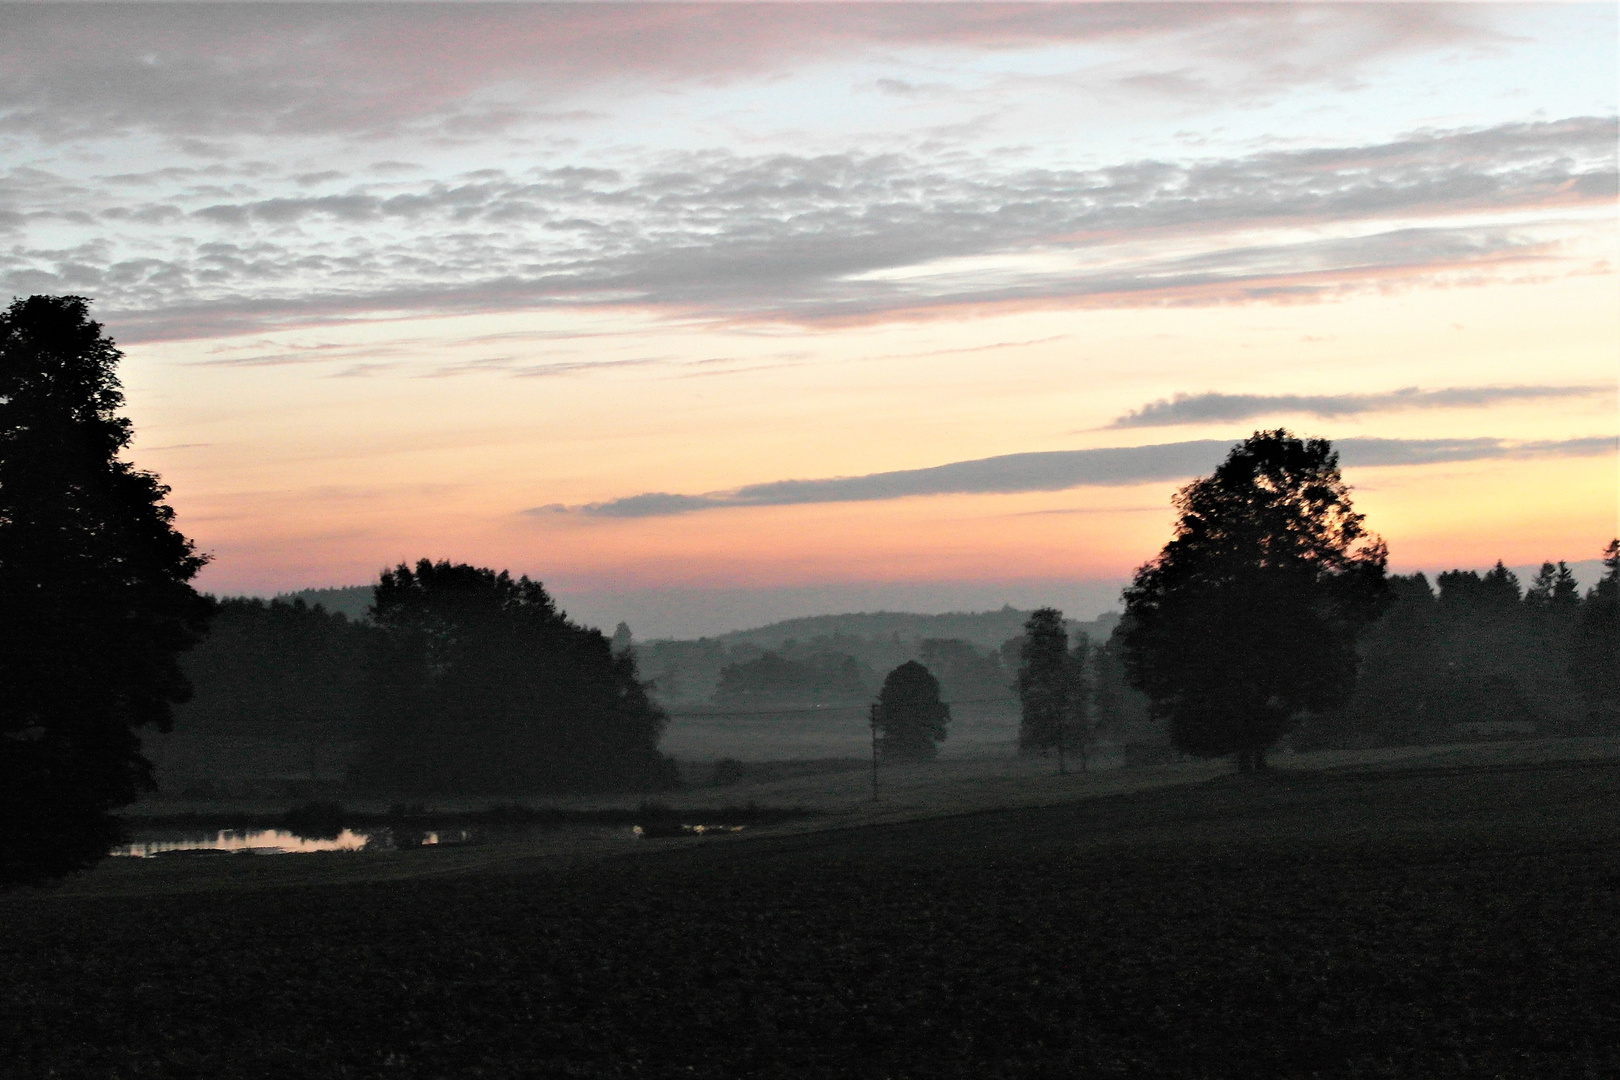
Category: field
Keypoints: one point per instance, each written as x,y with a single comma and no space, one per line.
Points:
1424,918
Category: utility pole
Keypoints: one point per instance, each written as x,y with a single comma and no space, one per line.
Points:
873,719
1063,766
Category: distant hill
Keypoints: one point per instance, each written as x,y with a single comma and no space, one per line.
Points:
354,601
684,672
985,629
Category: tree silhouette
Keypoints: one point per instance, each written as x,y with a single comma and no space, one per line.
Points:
773,679
94,587
1554,588
1048,694
910,717
1595,650
479,685
965,673
1077,720
273,674
1248,618
1120,711
1400,689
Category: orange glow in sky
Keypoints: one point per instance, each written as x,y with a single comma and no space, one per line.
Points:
565,310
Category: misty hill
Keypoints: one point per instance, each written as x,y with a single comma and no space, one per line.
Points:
353,601
844,657
985,629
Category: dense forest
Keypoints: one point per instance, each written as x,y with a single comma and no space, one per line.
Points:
1478,655
462,681
278,691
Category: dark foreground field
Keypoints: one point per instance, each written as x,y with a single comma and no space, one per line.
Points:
1416,924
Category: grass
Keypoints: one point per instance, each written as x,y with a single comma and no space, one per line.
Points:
1459,921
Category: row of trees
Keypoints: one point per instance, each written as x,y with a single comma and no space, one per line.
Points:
1482,654
773,679
1052,685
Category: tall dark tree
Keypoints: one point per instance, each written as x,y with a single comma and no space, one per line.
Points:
773,680
1399,694
480,685
1547,622
1249,616
1054,689
1554,588
1595,652
1488,661
1078,725
1118,712
910,718
965,673
277,681
94,591
1045,676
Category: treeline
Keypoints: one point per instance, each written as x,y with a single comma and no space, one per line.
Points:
464,682
1470,656
818,673
467,681
1480,655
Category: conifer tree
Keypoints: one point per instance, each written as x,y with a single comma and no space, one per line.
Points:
1595,655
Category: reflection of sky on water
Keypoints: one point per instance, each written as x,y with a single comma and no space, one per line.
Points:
259,841
153,842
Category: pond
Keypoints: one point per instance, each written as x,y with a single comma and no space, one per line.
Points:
149,844
194,839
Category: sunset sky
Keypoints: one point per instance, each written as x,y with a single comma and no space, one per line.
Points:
578,289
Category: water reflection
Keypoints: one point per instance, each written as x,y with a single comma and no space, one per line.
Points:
254,841
280,842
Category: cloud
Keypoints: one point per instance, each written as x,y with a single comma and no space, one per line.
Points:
829,238
1213,407
1370,453
1060,470
648,504
380,69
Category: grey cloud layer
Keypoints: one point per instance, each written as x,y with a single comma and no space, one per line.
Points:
1206,408
71,71
1059,470
790,237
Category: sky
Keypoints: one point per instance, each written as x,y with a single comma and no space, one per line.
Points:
711,314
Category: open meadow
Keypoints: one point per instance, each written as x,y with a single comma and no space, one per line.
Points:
1449,913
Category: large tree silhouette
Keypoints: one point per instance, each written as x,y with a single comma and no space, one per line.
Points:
1053,691
1595,650
1248,618
910,716
93,590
